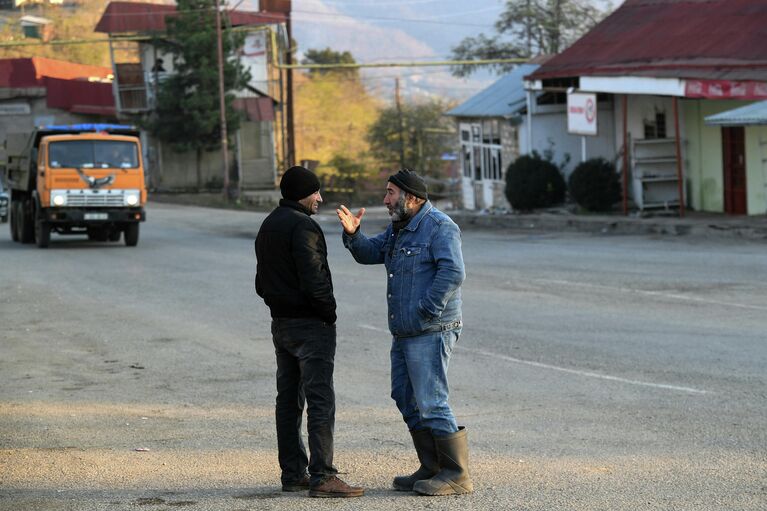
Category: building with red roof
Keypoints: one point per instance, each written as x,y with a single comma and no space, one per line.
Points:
31,72
147,18
37,91
136,83
667,65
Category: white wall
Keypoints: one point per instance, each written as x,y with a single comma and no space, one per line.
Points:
550,126
253,57
149,55
639,109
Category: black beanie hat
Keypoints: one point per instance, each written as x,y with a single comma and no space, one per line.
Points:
298,182
411,182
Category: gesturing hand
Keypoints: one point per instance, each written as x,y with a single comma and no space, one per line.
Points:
349,221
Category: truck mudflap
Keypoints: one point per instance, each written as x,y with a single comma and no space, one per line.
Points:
90,216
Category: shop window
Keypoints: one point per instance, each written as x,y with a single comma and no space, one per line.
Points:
481,151
655,127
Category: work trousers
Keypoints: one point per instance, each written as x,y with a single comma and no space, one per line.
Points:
305,350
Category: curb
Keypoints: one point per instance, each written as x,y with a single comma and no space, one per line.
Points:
746,229
752,228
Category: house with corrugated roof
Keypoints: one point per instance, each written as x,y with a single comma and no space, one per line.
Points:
669,65
38,91
494,129
139,68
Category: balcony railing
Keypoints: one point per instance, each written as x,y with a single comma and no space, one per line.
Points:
131,87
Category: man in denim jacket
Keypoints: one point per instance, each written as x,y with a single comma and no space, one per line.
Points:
421,251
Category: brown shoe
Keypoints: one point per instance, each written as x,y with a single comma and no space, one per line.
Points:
334,487
300,485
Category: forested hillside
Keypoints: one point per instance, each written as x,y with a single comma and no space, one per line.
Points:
69,23
333,114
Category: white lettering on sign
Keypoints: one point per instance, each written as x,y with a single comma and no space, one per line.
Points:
723,89
582,113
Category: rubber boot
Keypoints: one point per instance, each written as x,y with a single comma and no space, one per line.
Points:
453,476
427,455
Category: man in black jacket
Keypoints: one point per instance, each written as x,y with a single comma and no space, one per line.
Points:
293,278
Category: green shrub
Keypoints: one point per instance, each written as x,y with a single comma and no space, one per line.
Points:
594,185
534,182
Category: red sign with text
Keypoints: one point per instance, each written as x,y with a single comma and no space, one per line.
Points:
725,89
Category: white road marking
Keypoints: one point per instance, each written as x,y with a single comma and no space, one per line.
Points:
561,369
374,328
582,373
655,293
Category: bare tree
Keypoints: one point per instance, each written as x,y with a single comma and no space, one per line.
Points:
527,28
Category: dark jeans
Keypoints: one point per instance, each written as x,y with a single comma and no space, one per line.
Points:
305,349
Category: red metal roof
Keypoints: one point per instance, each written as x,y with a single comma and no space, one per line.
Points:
80,96
131,17
706,39
66,83
31,72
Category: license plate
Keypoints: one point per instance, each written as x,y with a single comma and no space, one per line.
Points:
96,216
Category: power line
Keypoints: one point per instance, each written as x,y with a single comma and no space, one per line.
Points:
399,20
377,4
464,13
338,79
279,17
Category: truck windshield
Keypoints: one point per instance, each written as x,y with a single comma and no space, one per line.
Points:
90,154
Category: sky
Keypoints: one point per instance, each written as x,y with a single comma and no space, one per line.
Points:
398,31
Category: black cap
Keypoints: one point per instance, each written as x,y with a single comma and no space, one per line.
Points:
298,183
411,182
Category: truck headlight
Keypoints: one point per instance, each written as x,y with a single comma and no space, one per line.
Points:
131,199
59,199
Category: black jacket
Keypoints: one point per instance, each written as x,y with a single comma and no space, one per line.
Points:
292,273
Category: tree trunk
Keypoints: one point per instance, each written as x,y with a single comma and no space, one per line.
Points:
556,24
528,30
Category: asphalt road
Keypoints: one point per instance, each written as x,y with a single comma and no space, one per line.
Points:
594,372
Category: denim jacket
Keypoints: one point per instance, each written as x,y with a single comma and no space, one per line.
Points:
424,271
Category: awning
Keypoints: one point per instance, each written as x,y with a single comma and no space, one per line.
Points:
749,115
683,88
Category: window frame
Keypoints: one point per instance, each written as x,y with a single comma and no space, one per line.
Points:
482,150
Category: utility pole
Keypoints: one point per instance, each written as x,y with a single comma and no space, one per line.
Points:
221,100
401,124
291,156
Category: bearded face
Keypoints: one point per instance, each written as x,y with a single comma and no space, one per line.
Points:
399,210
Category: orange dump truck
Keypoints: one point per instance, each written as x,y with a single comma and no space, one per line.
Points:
76,179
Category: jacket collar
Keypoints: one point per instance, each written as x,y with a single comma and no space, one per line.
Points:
416,220
294,205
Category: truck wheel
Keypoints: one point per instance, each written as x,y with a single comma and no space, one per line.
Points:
14,220
131,234
42,233
26,222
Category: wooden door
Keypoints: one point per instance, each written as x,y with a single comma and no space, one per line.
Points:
734,150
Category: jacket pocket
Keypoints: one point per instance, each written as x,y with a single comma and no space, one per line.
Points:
411,257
